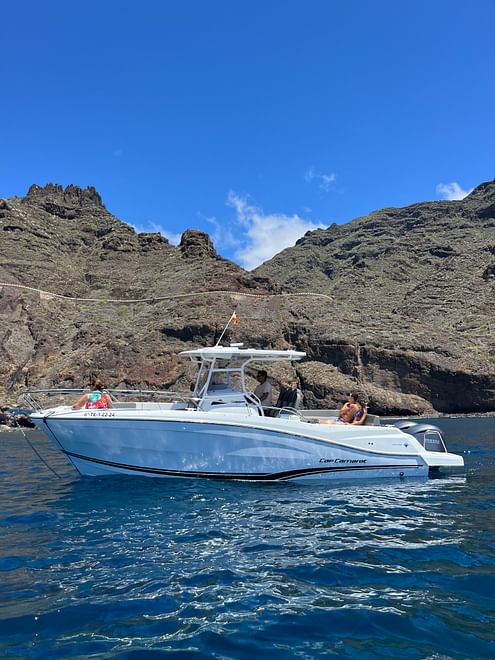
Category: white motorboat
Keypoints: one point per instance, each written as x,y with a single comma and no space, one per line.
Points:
222,431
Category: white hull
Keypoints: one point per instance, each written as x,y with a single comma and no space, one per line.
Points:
232,445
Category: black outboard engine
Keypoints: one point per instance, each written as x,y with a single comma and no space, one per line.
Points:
428,435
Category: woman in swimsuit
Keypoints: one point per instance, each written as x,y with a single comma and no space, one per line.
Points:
97,398
353,411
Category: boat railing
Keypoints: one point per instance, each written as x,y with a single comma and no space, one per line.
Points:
276,411
33,397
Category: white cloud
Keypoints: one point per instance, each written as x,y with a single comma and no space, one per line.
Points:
263,235
324,180
173,239
452,191
222,236
310,175
153,227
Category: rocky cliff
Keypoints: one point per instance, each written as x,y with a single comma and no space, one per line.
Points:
411,293
402,313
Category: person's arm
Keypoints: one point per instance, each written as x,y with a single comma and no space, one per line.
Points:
80,402
108,400
299,399
261,392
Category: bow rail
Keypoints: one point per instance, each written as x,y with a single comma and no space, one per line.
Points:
33,398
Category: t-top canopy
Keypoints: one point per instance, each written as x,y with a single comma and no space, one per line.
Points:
210,353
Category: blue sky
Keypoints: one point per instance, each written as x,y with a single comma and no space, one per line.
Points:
252,120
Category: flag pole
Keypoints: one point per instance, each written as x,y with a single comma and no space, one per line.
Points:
232,319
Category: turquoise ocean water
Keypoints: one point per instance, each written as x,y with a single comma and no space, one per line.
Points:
137,568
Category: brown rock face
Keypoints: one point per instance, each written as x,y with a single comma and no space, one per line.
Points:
68,203
414,284
403,311
196,245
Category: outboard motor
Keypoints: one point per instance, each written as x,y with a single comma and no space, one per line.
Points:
428,435
405,424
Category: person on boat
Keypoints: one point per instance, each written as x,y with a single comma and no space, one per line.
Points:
97,398
264,390
361,413
353,411
299,395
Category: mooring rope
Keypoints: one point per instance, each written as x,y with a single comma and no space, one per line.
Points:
34,448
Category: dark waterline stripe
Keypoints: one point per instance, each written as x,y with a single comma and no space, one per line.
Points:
238,476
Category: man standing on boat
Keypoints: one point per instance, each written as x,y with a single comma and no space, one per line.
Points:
264,390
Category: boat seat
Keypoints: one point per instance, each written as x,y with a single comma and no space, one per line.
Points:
313,417
287,398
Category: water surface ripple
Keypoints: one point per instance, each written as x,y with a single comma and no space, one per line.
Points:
136,567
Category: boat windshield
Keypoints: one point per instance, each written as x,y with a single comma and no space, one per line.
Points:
220,376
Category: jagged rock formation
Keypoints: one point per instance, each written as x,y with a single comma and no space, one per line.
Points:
405,314
66,242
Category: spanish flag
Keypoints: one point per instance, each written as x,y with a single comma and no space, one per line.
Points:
233,318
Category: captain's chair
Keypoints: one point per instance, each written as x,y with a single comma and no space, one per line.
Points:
287,398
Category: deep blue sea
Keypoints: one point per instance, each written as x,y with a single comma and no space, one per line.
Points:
137,567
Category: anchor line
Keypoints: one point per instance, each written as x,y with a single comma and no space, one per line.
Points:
34,448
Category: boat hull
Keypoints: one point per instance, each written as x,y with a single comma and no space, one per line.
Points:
263,450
